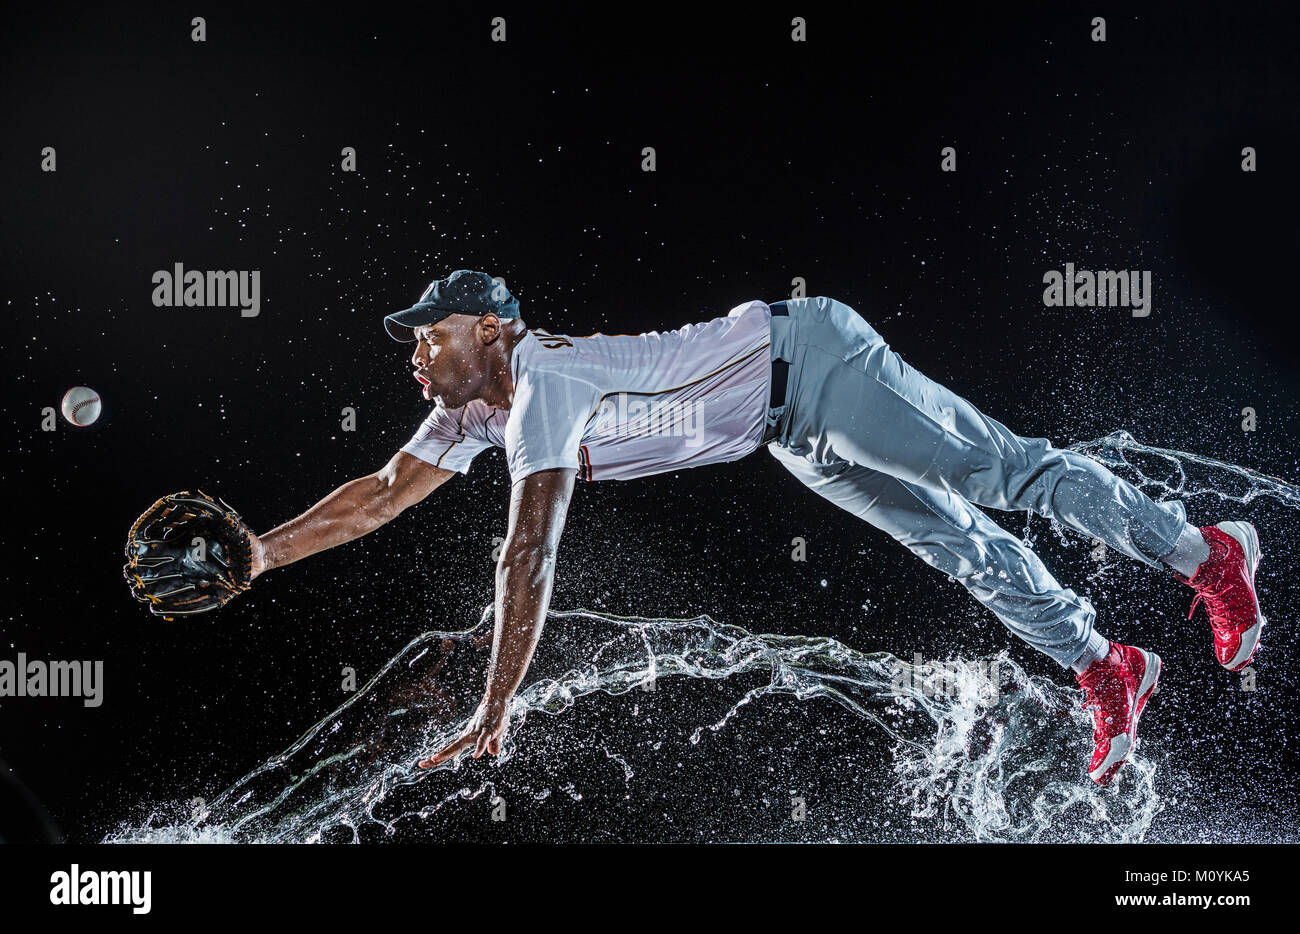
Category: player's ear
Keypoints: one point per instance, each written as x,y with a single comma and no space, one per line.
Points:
489,328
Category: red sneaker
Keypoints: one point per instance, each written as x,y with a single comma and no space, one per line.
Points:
1118,688
1226,583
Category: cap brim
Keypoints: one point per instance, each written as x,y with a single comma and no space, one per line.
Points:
401,325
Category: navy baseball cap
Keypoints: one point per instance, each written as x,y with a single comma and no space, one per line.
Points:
464,292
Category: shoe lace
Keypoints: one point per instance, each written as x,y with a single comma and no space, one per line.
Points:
1215,607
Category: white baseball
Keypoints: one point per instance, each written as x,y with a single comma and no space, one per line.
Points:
81,406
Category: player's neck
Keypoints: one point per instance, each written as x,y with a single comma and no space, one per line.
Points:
500,389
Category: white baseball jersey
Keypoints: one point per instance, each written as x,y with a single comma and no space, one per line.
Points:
615,407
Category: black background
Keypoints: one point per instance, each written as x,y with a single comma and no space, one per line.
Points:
776,160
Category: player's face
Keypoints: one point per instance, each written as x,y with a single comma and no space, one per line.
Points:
447,360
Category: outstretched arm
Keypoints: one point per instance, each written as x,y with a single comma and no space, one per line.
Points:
351,511
538,506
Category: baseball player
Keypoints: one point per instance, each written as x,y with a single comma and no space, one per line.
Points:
813,382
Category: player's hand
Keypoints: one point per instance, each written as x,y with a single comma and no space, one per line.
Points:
483,733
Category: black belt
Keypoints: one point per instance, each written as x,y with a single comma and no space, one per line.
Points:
780,368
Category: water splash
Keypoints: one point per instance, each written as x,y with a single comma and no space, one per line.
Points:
1187,476
634,728
983,745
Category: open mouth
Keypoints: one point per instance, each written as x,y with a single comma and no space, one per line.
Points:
424,384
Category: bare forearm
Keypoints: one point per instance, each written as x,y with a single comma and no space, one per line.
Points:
351,511
538,504
524,585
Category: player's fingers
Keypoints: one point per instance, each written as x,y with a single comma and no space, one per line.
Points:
494,745
484,737
441,756
449,751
